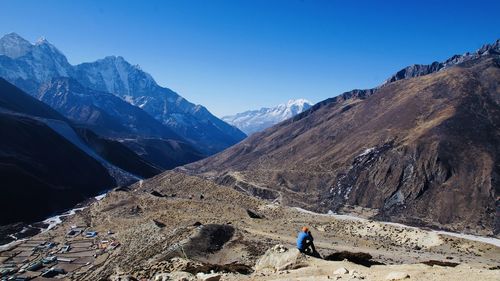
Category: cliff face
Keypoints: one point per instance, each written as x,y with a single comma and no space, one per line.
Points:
423,150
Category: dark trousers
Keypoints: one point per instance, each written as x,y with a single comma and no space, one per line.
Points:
307,245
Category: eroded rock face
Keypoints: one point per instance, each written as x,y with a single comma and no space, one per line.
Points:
422,151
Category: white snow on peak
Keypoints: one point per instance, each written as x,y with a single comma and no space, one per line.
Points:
40,61
257,120
14,46
41,40
297,102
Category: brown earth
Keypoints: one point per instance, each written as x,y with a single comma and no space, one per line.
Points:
175,222
422,151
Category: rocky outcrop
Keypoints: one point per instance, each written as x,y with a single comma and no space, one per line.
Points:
280,258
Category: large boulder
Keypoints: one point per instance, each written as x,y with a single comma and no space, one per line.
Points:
395,275
280,258
179,276
208,277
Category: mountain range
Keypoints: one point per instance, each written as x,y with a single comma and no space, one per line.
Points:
421,149
70,132
48,164
252,121
37,69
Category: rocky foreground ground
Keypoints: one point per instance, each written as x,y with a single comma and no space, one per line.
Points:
179,227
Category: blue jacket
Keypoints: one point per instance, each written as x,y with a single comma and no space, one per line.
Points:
302,238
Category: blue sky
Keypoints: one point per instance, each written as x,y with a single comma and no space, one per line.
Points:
236,55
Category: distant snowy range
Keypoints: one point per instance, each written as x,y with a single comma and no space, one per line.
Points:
253,121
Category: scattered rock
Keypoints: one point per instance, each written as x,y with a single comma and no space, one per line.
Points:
121,277
340,271
135,210
397,276
254,215
180,276
279,248
159,224
208,277
157,194
440,263
495,267
356,275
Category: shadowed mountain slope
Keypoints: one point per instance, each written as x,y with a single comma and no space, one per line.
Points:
15,100
165,154
48,165
41,171
119,154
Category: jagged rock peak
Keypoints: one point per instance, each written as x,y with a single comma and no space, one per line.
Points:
424,69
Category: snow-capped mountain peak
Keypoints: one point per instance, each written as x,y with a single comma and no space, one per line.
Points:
297,102
29,66
43,44
257,120
294,107
14,46
41,40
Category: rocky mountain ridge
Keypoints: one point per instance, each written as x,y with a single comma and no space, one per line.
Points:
424,69
102,112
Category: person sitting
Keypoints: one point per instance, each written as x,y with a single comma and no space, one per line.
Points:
305,242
